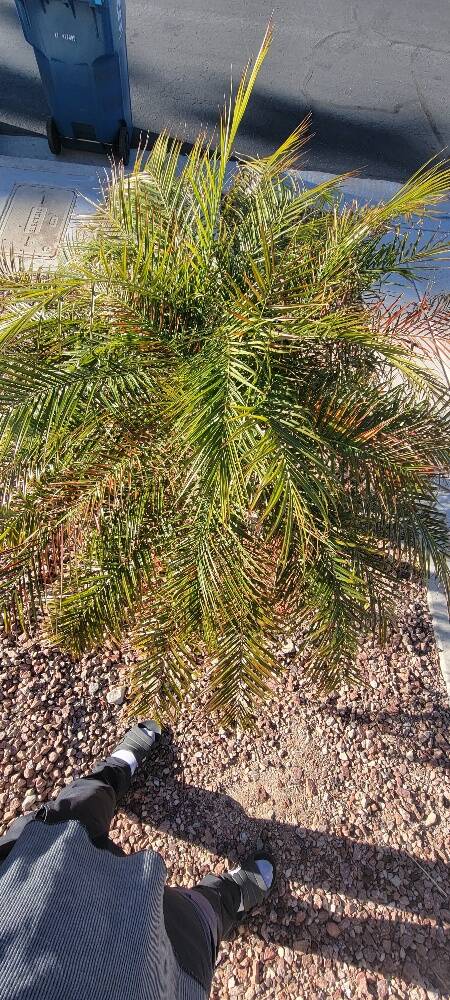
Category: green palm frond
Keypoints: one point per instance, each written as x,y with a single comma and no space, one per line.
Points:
109,573
213,430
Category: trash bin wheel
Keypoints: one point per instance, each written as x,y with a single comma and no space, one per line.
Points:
53,137
121,145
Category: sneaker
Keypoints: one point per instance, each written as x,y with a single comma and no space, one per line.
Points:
140,740
254,881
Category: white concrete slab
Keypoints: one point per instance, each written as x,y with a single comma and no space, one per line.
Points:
437,603
27,160
82,181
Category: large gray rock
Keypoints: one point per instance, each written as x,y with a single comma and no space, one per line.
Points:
116,695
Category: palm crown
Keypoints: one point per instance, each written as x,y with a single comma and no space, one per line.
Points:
211,431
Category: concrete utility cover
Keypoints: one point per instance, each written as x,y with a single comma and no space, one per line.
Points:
35,219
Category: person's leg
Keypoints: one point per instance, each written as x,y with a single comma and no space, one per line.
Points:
92,799
191,927
224,898
238,891
198,919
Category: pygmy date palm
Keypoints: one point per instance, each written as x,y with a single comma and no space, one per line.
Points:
212,432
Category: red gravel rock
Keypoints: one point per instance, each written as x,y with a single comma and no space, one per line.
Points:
339,787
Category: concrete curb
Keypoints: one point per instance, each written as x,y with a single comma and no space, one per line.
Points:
437,602
439,614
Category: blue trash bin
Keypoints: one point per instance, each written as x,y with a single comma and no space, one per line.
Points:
80,48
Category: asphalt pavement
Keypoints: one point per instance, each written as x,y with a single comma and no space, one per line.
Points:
374,73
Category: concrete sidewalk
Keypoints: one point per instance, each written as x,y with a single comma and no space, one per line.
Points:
42,200
27,161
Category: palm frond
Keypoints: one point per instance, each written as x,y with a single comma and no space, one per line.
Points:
213,429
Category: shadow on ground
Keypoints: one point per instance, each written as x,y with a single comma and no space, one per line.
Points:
341,140
396,944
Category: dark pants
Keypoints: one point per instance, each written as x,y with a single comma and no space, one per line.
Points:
196,919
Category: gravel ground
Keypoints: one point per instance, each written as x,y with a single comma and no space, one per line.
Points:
351,791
